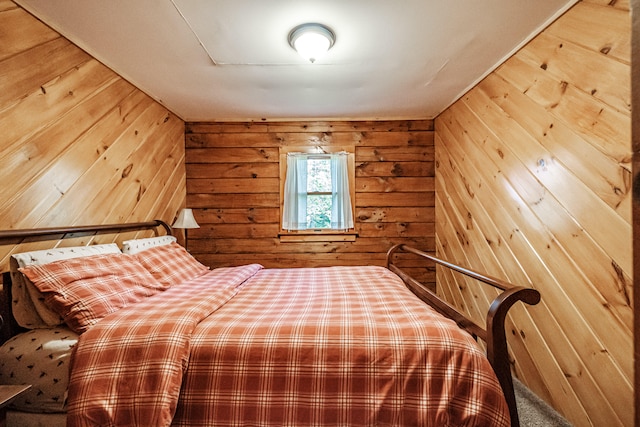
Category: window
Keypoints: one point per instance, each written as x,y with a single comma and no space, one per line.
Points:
316,193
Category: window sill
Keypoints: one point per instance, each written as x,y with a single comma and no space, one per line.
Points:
318,236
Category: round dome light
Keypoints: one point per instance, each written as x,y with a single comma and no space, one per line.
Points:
311,40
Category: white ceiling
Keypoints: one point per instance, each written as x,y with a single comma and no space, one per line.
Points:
215,60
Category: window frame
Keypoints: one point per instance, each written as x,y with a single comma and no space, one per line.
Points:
322,234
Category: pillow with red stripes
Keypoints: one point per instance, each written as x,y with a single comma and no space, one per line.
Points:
171,264
84,290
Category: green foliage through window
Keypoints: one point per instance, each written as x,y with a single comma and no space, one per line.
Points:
319,193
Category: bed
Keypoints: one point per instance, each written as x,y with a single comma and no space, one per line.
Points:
161,339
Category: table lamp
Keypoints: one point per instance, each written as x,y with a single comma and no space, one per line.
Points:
185,221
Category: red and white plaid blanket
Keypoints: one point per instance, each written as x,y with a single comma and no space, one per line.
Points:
127,369
332,346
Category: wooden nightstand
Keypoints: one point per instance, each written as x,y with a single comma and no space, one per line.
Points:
7,394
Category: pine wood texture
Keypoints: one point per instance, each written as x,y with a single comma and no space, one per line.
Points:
527,177
78,144
233,186
533,184
635,132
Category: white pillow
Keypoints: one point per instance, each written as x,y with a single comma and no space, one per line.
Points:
29,308
132,247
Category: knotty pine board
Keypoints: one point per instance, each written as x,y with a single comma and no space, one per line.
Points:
533,181
19,73
78,144
567,363
603,173
57,153
572,366
13,38
616,4
233,183
576,26
557,261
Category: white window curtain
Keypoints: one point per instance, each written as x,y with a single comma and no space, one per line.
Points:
294,215
341,213
295,193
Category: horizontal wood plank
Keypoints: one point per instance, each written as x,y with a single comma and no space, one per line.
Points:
390,154
232,170
310,126
225,155
395,199
233,185
393,184
379,169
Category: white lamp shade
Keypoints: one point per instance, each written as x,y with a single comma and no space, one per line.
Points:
185,220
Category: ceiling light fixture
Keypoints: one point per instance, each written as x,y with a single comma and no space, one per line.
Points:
311,40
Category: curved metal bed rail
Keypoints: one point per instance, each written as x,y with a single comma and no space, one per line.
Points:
9,325
102,228
494,331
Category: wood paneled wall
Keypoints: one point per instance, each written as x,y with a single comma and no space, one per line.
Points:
233,186
532,181
78,144
533,184
635,132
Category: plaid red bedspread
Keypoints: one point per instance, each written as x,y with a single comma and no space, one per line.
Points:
127,369
338,346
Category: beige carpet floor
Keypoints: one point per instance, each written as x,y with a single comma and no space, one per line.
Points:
535,412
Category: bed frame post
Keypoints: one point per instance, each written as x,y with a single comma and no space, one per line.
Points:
9,327
494,334
497,351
